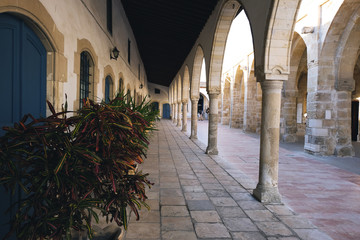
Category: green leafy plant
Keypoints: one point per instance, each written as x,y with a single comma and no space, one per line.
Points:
70,169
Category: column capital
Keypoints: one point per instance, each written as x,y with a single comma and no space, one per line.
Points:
271,85
194,99
185,101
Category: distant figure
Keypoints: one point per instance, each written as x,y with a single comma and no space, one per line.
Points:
201,116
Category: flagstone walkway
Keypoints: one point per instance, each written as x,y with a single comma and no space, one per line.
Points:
197,196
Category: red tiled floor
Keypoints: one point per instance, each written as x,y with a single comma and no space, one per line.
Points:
326,195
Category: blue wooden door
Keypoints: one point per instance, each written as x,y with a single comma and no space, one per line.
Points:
166,111
22,83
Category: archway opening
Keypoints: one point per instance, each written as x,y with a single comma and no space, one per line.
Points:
355,120
238,58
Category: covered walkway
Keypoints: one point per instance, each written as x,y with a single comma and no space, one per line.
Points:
197,196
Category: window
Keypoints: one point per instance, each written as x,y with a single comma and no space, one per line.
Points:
157,91
109,16
139,71
86,77
108,89
121,85
129,46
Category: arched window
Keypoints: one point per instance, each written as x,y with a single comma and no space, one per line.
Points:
108,89
121,85
86,77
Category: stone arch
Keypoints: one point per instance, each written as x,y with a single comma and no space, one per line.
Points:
39,20
84,45
108,71
226,101
347,54
195,80
294,101
228,12
278,42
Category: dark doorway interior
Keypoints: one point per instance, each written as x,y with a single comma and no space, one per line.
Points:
354,120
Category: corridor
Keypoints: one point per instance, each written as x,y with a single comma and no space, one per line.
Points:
197,196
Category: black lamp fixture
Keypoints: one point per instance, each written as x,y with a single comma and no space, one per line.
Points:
114,54
141,86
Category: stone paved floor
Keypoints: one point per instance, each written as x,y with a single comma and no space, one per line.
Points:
197,196
325,190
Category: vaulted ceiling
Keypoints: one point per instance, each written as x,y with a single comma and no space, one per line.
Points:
165,31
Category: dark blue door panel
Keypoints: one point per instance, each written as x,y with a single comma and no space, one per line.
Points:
33,79
22,84
166,111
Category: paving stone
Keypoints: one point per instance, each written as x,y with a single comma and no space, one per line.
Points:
243,196
212,186
230,212
172,201
153,194
170,192
217,193
174,211
196,196
169,185
200,205
312,234
239,224
296,222
251,205
176,235
176,224
143,230
153,204
211,230
234,188
280,210
186,182
205,216
223,201
247,236
146,216
285,238
274,228
193,188
261,215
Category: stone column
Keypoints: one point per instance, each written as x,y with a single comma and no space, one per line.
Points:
267,188
213,122
194,118
179,115
175,113
289,109
184,112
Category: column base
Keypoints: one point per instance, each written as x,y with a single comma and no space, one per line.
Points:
267,194
183,130
212,151
193,137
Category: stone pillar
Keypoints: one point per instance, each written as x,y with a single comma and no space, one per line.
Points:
213,122
267,188
171,111
194,118
184,118
179,115
175,113
289,124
